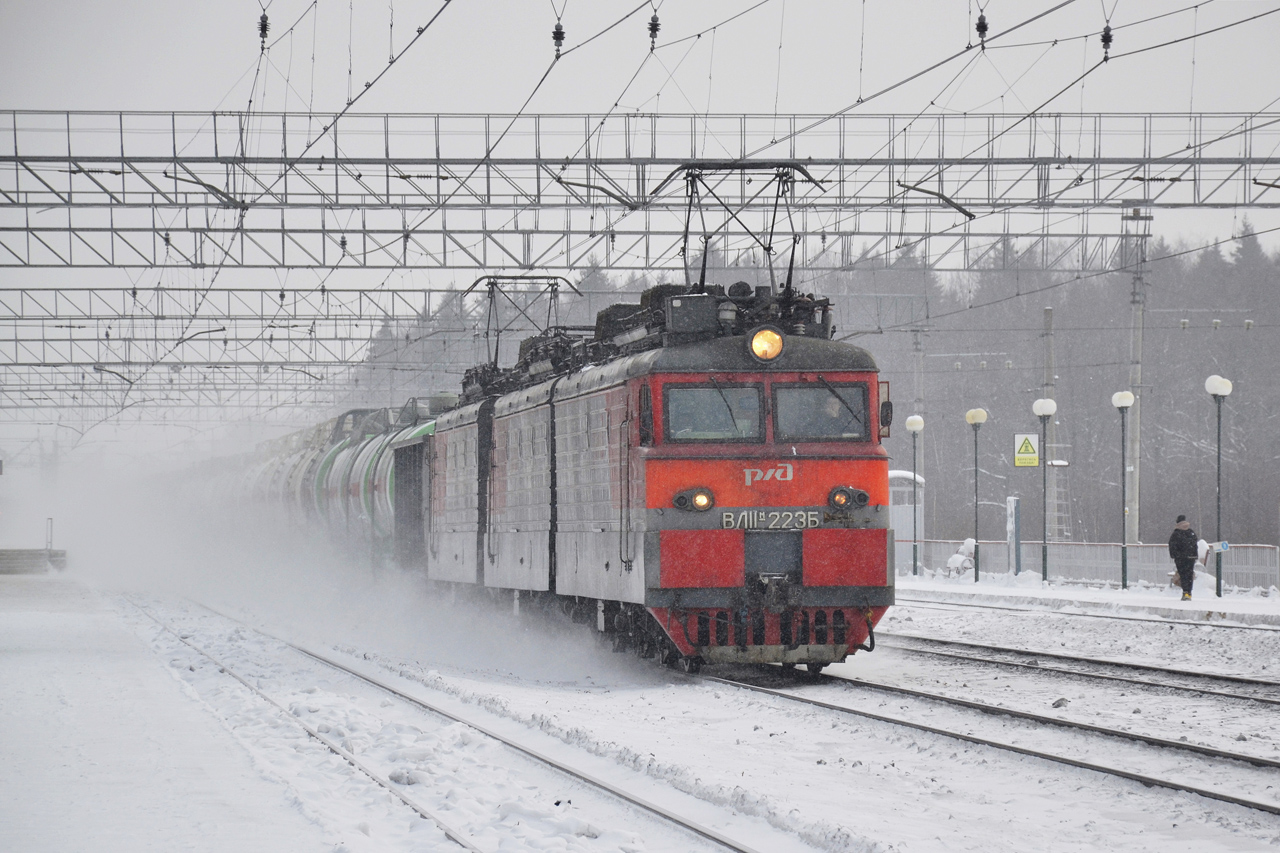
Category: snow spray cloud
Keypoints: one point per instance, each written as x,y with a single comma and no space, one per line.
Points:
180,535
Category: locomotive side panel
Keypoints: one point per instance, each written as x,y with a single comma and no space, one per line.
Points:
599,542
459,493
518,552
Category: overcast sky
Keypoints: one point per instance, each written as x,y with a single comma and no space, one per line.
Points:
486,55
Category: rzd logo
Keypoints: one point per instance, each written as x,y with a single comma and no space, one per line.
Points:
782,472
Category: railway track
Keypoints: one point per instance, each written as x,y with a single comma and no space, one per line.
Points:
969,737
1254,689
1001,711
930,604
452,832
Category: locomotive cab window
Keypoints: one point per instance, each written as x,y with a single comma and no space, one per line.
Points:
715,412
821,411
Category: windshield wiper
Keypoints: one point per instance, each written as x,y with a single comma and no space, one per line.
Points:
728,408
857,419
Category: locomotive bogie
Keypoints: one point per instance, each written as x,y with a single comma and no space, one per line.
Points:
807,635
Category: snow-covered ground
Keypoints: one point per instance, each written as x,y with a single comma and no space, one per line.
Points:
102,749
1251,607
765,765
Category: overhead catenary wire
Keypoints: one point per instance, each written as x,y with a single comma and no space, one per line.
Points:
1032,113
241,213
905,80
514,118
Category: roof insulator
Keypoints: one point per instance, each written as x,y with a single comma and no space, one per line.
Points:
557,35
654,26
982,29
263,29
1107,38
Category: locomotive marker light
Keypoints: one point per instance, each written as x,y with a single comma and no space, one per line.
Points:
1219,389
914,425
975,418
847,497
766,343
1044,408
1122,400
700,499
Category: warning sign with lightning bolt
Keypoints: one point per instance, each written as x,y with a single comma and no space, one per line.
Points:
1026,453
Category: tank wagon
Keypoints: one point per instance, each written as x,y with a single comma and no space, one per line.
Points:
702,477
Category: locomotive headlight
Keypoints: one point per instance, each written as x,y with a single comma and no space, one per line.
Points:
766,343
844,497
698,500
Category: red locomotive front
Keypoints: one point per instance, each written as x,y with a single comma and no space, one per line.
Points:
766,499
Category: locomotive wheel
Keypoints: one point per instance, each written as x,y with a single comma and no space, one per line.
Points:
691,665
788,668
669,655
815,669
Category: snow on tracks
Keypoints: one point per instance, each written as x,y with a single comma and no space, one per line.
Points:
479,797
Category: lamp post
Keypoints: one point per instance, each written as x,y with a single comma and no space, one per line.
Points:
914,424
1219,389
975,418
1044,408
1122,400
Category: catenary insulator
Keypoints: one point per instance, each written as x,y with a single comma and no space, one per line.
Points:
263,28
982,28
557,35
654,26
1107,38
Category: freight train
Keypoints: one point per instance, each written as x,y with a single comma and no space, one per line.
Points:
702,477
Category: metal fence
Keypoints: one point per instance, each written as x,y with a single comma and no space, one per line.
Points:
1243,566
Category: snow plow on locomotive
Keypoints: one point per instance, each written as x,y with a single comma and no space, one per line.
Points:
702,478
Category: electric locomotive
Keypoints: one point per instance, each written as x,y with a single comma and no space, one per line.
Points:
703,478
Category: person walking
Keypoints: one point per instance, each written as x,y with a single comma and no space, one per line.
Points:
1183,550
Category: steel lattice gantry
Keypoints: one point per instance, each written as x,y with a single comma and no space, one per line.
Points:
244,349
558,192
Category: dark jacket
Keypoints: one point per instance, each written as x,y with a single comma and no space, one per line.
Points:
1182,544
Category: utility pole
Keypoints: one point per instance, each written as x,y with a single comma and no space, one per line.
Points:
1051,431
917,348
1138,302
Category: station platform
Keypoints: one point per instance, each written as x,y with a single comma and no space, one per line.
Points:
101,749
1027,590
